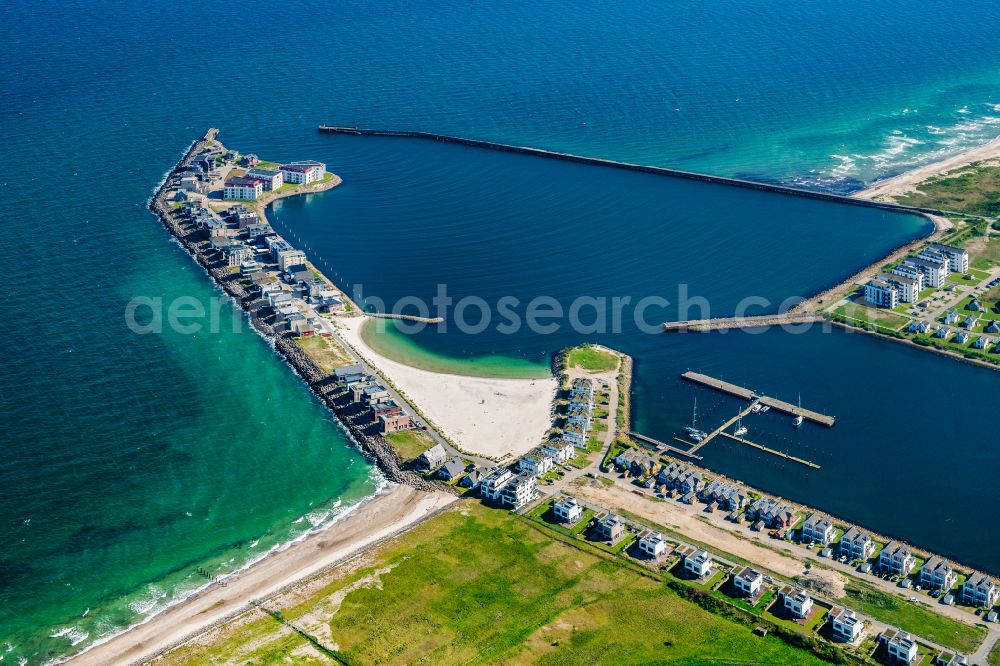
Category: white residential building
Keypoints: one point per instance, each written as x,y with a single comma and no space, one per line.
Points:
518,491
980,590
937,574
908,288
958,259
289,258
269,180
881,294
896,558
796,601
652,544
748,581
935,271
242,188
559,451
856,544
491,487
818,528
845,624
902,647
535,464
698,563
567,509
301,173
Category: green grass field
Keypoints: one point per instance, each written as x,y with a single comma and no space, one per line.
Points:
994,656
484,587
591,359
864,314
974,190
325,352
410,443
914,618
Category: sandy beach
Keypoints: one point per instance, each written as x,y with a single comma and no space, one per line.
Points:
385,515
483,415
886,189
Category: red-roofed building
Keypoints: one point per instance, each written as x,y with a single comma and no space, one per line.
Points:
302,173
242,188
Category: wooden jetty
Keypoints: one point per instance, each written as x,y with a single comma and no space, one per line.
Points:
771,451
726,323
663,445
747,394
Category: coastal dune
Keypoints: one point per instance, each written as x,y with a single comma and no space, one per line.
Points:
385,515
886,190
486,416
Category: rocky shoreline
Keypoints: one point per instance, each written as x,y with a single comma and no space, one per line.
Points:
375,447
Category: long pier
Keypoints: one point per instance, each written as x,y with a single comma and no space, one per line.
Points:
773,452
726,323
597,161
747,394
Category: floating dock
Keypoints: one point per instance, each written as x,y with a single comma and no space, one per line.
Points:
773,452
663,445
747,394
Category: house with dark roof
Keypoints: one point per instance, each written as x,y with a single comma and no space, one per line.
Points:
856,544
451,470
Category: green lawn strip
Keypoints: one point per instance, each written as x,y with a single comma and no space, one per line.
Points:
915,618
489,587
591,359
993,659
410,443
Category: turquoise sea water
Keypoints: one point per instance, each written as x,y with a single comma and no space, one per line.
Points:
111,440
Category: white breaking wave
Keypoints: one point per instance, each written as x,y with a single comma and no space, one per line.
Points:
74,635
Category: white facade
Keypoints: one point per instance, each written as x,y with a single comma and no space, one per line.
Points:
797,602
881,294
653,545
303,173
518,491
698,563
897,558
845,625
535,465
567,510
857,544
958,259
491,487
270,180
748,581
242,188
559,451
818,528
935,271
908,288
936,574
980,590
900,645
290,257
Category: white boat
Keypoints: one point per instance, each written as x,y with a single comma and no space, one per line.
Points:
765,408
740,428
797,421
755,408
696,435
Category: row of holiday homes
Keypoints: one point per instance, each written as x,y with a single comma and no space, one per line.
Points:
368,393
745,582
855,544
